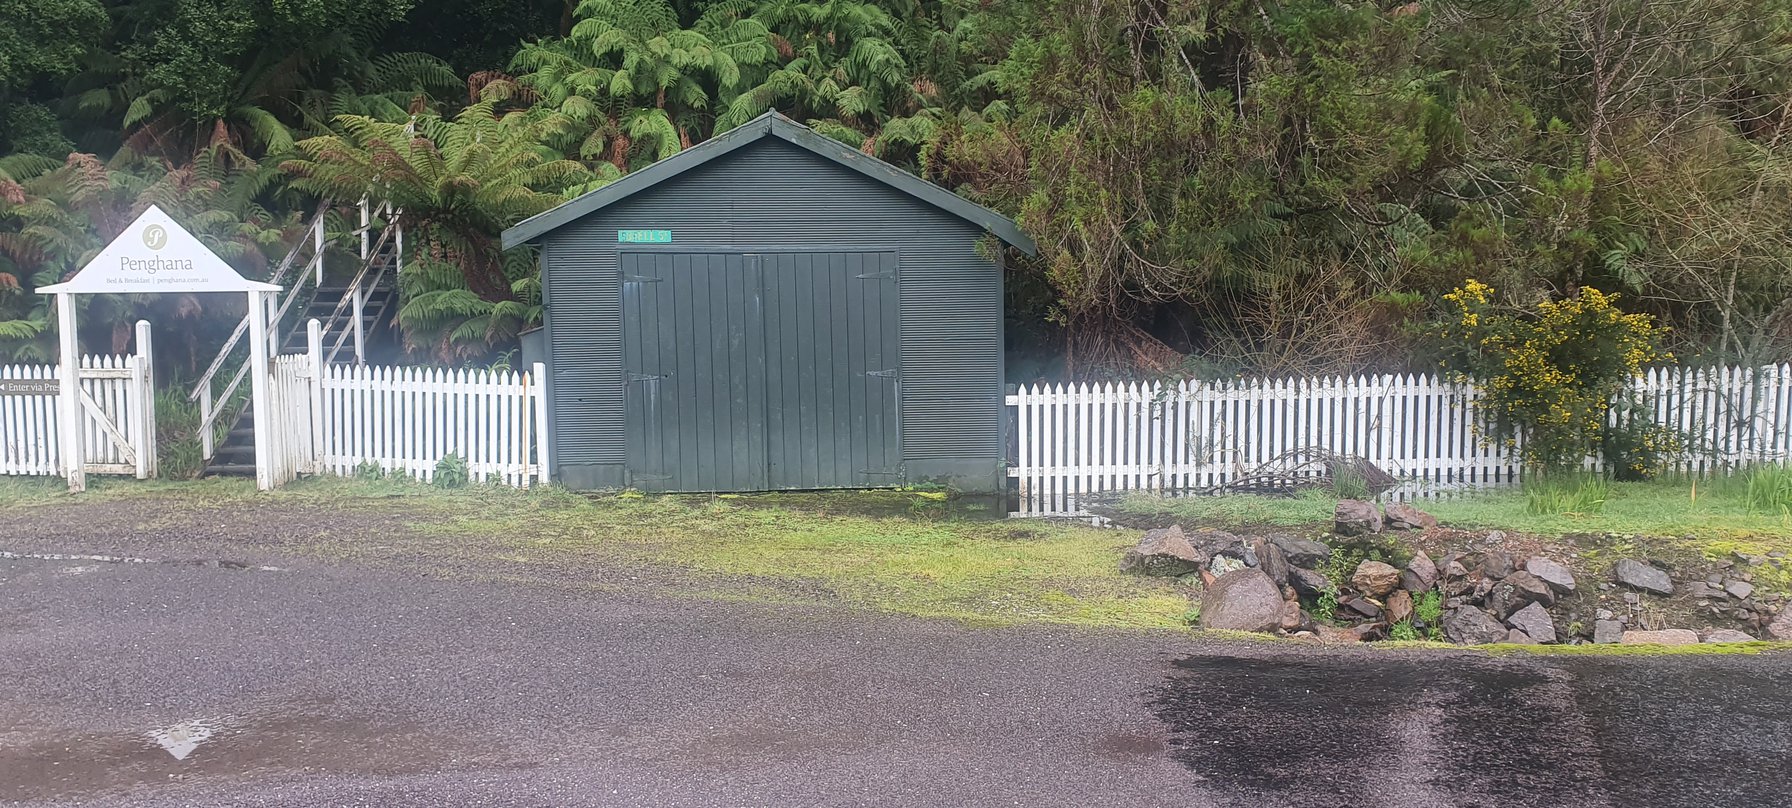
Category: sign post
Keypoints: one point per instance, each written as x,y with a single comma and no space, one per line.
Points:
155,254
69,414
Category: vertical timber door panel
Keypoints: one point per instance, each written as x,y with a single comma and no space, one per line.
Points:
831,369
752,372
694,355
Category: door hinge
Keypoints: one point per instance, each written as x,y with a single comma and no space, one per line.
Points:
640,279
644,477
888,273
645,377
882,374
872,473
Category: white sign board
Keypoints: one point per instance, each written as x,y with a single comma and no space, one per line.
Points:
154,254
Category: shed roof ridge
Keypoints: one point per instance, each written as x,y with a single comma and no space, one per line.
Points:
769,124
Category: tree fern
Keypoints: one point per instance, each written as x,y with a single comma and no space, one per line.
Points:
459,182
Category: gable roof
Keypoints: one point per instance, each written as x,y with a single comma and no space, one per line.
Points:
771,124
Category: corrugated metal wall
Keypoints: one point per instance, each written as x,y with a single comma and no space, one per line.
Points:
763,197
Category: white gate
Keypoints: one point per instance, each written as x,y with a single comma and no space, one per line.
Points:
291,443
117,408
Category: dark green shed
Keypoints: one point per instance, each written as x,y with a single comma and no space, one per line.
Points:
772,310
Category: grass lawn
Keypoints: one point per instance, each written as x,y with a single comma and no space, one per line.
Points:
1709,512
906,552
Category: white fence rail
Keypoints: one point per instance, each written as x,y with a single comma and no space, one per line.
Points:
118,408
405,420
1074,441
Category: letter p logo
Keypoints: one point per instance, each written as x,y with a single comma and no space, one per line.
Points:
155,237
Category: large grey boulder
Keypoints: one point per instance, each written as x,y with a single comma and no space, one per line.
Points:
1727,635
1420,575
1164,552
1301,552
1781,627
1375,579
1551,572
1242,600
1496,565
1535,622
1471,626
1607,631
1526,588
1401,516
1271,561
1308,583
1214,541
1355,517
1465,585
1640,576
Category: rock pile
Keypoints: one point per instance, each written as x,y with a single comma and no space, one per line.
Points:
1276,583
1725,594
1248,584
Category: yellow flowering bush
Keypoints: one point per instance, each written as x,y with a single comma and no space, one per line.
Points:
1550,376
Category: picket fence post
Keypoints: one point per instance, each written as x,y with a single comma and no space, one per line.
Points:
314,361
538,390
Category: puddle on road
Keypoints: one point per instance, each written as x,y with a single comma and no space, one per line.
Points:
1331,730
1349,731
41,765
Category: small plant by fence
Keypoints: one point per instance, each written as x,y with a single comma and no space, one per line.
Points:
1078,440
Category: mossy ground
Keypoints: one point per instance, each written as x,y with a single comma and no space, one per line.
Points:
911,552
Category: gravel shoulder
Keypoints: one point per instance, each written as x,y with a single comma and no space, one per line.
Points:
334,655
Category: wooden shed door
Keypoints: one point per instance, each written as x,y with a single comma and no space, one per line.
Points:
693,349
753,372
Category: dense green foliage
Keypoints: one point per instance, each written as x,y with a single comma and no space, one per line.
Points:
459,181
1215,185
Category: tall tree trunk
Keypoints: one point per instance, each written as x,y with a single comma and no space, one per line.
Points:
483,269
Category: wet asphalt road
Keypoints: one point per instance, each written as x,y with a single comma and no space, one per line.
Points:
341,684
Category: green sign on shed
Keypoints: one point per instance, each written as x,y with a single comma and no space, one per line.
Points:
822,320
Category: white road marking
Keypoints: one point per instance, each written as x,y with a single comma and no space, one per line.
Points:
181,739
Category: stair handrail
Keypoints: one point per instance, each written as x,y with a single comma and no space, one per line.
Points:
315,230
202,390
354,288
284,301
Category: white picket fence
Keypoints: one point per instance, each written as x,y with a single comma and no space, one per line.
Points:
406,419
291,437
119,430
1078,440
